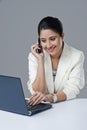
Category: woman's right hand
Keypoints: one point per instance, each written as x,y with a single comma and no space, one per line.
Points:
38,97
39,56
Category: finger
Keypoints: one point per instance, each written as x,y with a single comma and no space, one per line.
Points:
39,99
34,97
35,94
34,47
44,98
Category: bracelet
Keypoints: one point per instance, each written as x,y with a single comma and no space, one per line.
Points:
54,98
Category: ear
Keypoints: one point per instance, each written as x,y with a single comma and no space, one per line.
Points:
62,36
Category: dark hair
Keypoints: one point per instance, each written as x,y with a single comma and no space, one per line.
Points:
51,23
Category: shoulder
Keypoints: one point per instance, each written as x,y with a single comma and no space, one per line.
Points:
74,52
32,58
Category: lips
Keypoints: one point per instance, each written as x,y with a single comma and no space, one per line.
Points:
51,49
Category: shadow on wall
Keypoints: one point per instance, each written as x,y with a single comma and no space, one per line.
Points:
0,0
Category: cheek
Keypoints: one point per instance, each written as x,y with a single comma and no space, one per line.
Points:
43,46
57,43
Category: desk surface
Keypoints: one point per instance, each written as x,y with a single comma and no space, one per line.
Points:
68,115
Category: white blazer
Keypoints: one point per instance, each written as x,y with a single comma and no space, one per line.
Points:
70,73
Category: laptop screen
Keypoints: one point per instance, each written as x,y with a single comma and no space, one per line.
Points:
11,95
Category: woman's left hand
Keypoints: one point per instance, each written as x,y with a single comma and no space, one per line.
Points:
37,98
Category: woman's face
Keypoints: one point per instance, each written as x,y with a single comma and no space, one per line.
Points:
50,41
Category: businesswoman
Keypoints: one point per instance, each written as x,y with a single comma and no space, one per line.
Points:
56,70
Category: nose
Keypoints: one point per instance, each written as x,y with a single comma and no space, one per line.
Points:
48,44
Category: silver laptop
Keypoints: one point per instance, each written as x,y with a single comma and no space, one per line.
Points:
12,98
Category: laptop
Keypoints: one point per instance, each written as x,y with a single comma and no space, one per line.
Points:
12,98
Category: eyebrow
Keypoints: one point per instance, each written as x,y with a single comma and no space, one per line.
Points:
49,37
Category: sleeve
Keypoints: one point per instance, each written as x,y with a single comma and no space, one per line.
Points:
76,80
32,68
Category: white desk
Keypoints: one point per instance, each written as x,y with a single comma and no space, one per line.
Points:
68,115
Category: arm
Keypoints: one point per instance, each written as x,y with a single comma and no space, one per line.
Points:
36,71
76,78
60,96
39,84
75,81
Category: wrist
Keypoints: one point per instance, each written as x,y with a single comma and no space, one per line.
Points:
49,98
41,58
41,61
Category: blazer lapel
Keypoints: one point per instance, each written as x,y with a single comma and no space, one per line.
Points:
48,73
64,63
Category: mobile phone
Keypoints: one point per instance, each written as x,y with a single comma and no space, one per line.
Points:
39,50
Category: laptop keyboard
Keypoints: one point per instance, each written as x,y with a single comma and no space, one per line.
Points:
35,107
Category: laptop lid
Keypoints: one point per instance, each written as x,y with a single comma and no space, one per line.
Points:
11,95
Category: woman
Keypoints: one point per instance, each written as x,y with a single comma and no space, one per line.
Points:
56,73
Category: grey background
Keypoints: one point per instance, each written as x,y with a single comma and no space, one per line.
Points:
18,31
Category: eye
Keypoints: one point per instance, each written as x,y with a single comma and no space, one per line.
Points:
44,41
52,38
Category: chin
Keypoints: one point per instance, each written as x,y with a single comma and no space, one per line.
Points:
52,53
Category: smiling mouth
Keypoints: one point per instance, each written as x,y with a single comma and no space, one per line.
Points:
51,49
